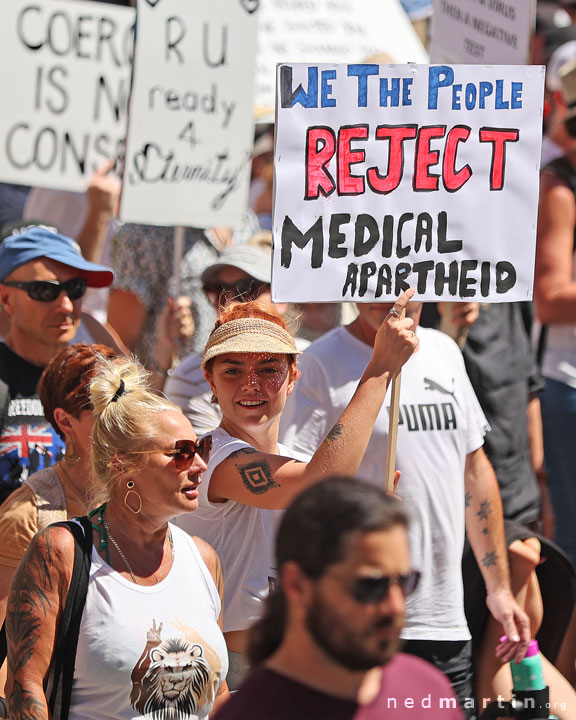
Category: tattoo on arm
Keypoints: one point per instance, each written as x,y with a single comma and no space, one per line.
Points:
243,451
485,510
467,499
335,432
489,559
26,706
28,605
28,602
257,477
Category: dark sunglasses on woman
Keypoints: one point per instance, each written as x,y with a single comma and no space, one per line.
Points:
183,451
49,290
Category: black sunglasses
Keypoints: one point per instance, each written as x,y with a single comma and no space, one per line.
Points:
374,588
247,289
184,451
49,290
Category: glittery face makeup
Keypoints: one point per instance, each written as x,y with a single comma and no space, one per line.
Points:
251,387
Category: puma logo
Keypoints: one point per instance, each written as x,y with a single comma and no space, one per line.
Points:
433,385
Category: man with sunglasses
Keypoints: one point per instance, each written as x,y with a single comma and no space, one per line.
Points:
43,277
327,647
242,272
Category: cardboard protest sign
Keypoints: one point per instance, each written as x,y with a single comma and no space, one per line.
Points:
65,82
329,31
190,130
397,176
482,31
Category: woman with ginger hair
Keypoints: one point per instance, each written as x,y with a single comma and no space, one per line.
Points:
250,363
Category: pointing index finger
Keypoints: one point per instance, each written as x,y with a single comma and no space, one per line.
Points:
402,301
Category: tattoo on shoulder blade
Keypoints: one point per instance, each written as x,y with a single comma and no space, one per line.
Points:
257,477
335,432
468,499
489,559
485,510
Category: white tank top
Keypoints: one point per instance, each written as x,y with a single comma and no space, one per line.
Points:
150,651
243,537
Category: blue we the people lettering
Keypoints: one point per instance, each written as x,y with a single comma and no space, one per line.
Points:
306,98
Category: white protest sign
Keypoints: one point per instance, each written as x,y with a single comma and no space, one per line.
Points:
325,31
190,131
482,31
64,84
397,176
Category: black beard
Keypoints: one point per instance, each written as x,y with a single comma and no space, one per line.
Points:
342,646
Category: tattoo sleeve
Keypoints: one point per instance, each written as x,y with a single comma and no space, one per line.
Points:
32,612
28,603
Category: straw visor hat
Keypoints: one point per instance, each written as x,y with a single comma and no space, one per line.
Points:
246,335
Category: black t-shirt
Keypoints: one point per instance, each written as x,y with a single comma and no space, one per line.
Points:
502,368
27,441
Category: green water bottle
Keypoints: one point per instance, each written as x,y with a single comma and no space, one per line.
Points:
529,684
528,674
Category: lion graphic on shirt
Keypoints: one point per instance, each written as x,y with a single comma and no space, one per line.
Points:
173,677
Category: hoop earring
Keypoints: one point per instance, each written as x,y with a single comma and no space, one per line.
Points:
70,454
130,486
214,399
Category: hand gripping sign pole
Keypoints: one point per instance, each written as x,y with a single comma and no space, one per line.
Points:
393,425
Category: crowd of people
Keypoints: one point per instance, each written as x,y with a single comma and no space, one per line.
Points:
191,477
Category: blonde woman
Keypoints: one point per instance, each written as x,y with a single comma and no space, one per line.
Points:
150,642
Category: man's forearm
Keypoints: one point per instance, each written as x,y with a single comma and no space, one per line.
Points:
485,523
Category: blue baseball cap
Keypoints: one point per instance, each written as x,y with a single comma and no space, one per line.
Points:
38,242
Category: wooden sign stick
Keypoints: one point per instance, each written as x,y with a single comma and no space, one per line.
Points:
393,429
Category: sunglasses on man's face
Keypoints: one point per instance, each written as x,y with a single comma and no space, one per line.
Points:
183,452
248,289
374,588
49,290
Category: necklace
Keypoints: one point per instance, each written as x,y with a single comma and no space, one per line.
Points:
123,557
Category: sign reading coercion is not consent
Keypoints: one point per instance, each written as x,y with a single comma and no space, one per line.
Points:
64,83
397,176
190,130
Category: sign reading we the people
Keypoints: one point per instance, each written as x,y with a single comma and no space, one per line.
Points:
190,131
397,176
64,84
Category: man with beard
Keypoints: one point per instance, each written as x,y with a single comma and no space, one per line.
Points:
327,646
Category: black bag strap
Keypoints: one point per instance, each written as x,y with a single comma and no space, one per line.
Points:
67,642
68,630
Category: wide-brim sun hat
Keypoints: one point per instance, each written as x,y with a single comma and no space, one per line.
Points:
37,242
249,335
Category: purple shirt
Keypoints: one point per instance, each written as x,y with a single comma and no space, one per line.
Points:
411,689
